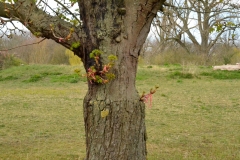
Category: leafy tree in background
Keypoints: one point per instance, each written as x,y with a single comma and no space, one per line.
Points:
114,116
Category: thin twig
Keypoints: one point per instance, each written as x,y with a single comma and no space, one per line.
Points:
68,10
24,45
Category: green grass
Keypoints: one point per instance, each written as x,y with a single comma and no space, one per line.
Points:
193,118
222,74
46,74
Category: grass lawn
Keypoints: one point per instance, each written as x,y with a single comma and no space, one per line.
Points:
195,113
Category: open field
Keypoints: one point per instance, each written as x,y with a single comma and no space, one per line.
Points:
195,113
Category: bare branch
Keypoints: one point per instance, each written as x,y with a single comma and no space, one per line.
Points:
208,17
23,45
68,10
39,22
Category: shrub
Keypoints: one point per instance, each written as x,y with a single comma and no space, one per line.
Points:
178,74
9,60
222,74
226,74
73,59
177,57
8,78
34,78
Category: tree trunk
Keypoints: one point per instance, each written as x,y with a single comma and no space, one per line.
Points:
113,113
120,134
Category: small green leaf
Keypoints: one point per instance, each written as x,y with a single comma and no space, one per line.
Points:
112,57
95,52
110,76
75,45
211,30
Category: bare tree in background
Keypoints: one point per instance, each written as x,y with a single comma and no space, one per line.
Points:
203,23
32,50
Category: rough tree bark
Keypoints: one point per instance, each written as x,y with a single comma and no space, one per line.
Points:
117,27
